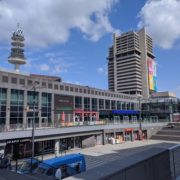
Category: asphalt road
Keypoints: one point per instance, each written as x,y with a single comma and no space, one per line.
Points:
9,175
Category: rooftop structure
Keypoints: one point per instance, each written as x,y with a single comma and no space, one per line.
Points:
165,94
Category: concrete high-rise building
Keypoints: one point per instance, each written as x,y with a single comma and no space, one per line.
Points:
131,64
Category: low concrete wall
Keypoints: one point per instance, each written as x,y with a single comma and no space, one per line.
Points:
175,161
153,164
88,141
152,131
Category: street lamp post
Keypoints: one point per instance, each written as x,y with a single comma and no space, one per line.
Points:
33,88
171,111
140,123
33,120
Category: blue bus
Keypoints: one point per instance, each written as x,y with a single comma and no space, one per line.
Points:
69,165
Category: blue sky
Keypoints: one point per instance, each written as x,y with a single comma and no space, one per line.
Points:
70,38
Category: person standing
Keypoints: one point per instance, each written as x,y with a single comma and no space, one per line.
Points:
58,174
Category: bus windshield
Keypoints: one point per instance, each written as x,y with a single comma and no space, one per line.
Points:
26,166
45,169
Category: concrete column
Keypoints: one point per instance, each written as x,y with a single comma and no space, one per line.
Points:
115,104
39,108
114,133
90,108
8,109
123,104
104,138
74,142
25,110
83,109
56,147
74,109
103,103
52,109
98,105
110,105
123,133
97,115
132,135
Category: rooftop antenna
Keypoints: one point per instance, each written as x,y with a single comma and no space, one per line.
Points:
17,52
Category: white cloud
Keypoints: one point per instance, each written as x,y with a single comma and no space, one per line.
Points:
76,82
59,63
54,63
44,67
162,19
50,21
102,70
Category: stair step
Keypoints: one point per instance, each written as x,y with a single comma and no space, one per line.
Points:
168,132
166,137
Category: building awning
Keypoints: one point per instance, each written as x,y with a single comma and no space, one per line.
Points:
125,112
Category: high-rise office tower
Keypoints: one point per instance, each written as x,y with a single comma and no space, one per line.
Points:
131,64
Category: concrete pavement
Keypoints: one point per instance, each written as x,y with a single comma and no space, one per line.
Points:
99,155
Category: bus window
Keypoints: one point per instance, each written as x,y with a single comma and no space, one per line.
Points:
41,170
50,172
78,168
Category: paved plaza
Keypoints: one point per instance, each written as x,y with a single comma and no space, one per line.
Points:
101,154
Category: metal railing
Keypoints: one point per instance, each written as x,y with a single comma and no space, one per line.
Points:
20,127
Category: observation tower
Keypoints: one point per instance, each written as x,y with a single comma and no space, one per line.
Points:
17,52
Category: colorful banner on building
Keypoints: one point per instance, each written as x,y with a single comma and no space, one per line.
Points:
152,74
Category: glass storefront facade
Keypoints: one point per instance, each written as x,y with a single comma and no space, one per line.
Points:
46,108
78,102
86,104
160,109
94,104
101,103
16,108
32,102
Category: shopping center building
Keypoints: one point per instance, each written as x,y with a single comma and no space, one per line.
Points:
56,104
